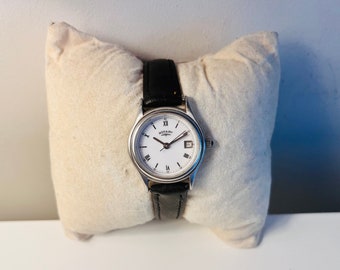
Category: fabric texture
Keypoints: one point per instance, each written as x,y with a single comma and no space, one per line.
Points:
94,90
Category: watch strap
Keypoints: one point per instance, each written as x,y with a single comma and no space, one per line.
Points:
161,85
161,88
169,199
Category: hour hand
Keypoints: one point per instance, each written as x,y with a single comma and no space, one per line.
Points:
165,145
158,140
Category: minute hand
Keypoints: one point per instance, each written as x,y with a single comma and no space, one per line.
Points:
180,136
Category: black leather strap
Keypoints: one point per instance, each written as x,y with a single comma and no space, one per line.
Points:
161,85
169,199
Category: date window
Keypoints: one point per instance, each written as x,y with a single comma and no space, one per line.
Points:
188,144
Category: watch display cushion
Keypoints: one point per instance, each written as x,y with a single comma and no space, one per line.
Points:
94,90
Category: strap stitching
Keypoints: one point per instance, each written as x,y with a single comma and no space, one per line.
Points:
179,206
158,206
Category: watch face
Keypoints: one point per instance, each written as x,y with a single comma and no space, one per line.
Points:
167,145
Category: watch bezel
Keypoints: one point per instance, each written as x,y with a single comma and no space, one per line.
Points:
135,131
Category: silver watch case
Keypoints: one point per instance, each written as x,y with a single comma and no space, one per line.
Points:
186,112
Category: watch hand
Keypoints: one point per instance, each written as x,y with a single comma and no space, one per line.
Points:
158,140
180,136
165,145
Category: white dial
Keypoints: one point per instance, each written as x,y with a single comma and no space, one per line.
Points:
167,145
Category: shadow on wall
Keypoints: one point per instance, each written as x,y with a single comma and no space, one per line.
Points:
306,140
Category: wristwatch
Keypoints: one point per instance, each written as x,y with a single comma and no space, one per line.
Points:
166,143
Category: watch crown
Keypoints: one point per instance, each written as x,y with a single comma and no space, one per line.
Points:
209,143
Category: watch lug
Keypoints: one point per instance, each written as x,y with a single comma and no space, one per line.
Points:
140,111
187,108
145,180
192,180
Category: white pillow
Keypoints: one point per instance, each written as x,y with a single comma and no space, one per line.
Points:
94,90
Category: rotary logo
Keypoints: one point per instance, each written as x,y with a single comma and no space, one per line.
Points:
165,132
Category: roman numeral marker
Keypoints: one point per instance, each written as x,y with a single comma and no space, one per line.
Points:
187,155
147,157
167,168
165,123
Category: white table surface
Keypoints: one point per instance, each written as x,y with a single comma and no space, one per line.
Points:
300,241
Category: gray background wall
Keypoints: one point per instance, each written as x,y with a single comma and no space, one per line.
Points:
306,142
